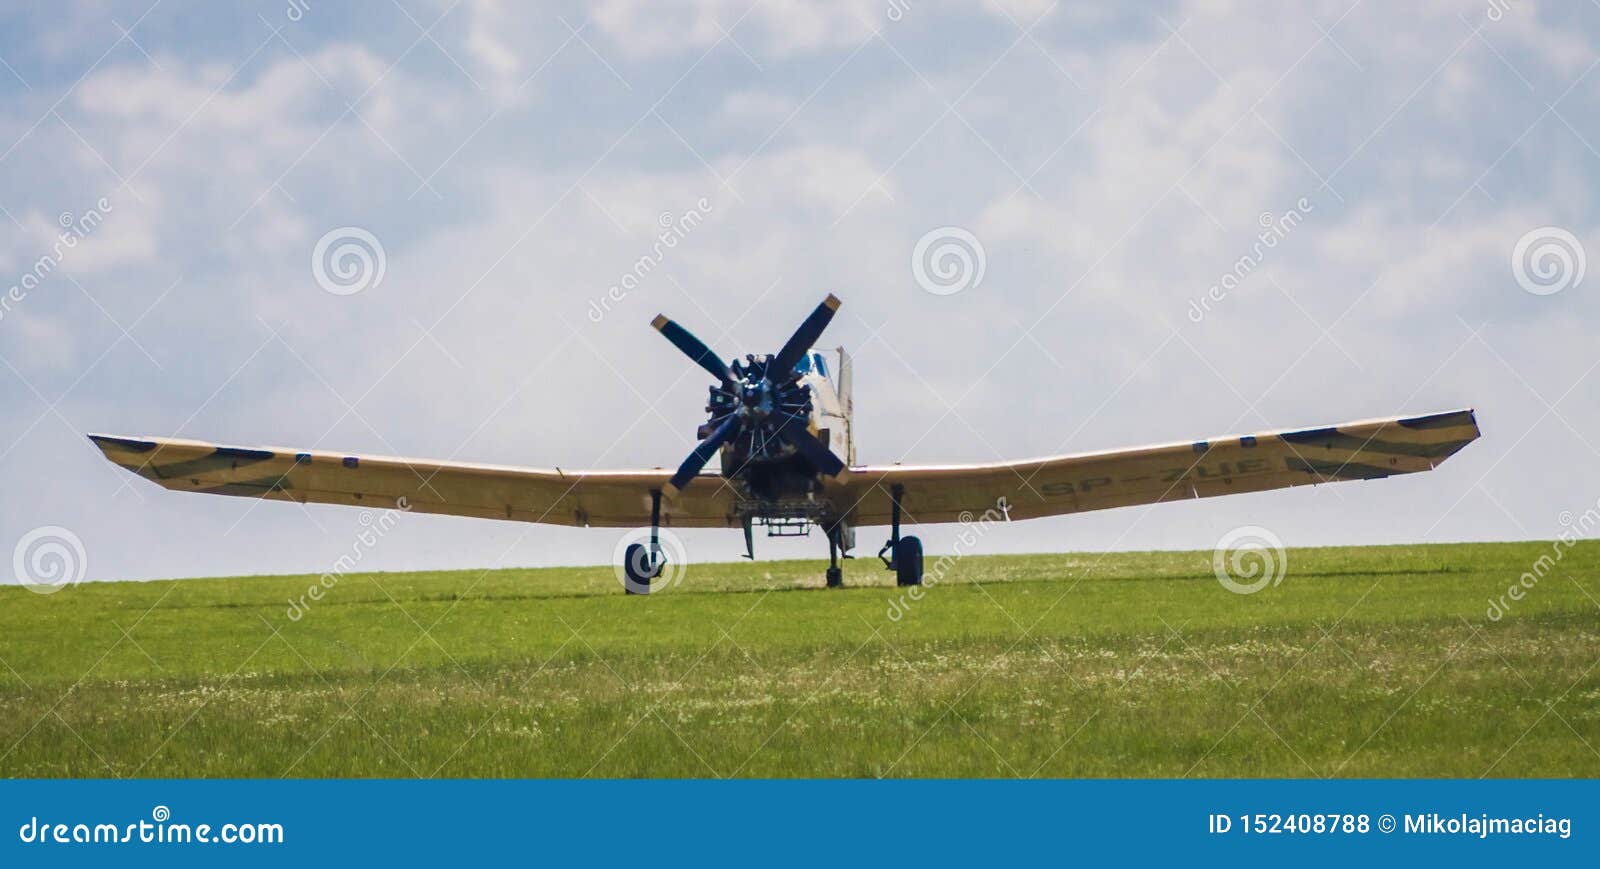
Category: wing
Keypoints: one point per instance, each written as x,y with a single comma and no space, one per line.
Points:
1218,466
599,498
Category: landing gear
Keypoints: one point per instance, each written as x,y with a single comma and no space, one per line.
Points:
638,568
904,553
908,561
641,564
835,541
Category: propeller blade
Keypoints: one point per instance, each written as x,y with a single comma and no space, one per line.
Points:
692,347
697,460
803,339
794,431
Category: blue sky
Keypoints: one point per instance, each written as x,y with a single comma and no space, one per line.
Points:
514,161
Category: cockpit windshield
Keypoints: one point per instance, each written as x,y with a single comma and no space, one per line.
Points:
812,362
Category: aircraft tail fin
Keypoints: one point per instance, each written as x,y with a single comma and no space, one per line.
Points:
847,404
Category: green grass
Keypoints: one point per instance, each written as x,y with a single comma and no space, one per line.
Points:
1362,662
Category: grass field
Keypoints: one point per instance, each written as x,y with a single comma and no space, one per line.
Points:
1362,662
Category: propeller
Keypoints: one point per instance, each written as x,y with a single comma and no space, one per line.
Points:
693,348
805,337
697,459
759,406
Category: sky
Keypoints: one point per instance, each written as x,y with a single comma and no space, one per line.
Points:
1425,175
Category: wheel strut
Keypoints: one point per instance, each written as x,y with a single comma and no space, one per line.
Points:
896,492
835,544
655,531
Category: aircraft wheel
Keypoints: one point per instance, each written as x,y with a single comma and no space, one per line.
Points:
835,577
637,568
908,561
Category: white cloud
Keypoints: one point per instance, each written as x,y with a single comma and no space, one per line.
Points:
774,28
485,43
757,110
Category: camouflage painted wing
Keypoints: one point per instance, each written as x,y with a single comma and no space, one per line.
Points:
1364,450
582,498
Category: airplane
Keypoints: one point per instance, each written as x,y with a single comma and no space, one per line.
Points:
783,426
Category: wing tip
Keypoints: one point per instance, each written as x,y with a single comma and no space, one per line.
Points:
832,302
106,443
1445,419
660,322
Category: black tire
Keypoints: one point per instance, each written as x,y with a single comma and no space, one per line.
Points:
636,569
908,561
